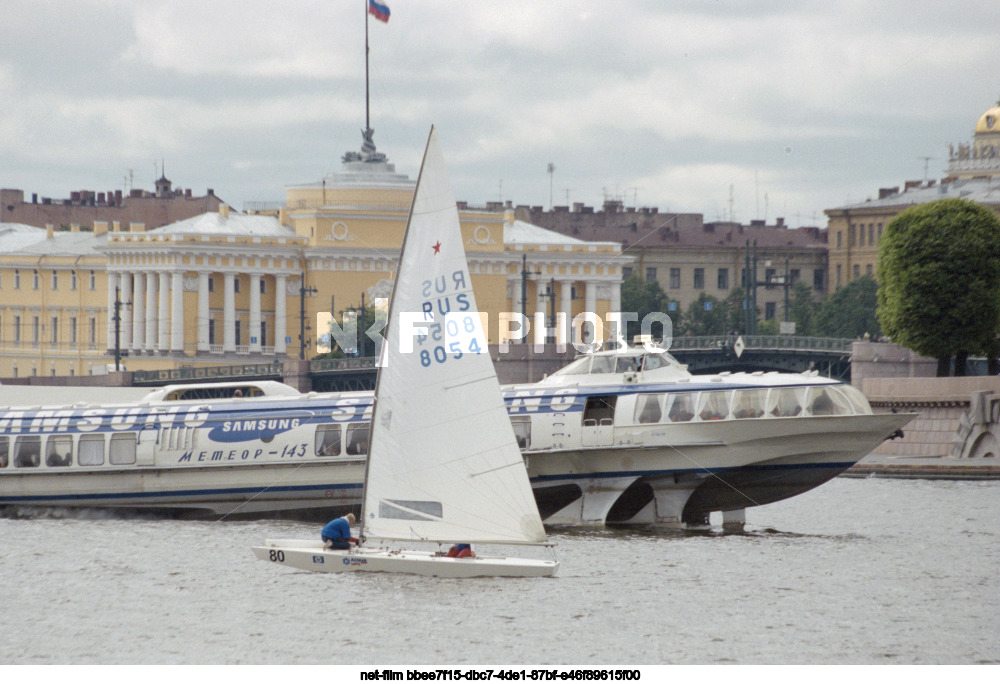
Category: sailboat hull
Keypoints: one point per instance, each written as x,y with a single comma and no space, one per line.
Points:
312,557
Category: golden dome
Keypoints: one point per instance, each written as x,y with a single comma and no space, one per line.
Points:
989,122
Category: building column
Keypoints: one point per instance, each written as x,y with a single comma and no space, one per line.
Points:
254,333
163,337
540,321
203,312
229,314
280,320
139,311
590,306
112,285
125,296
177,312
566,309
151,304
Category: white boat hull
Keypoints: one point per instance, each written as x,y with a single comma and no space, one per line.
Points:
312,557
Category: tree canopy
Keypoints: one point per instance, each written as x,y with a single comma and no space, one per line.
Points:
850,311
939,279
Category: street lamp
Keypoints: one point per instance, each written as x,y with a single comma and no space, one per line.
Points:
303,291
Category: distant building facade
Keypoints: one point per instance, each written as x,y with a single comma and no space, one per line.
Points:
85,207
855,231
222,288
689,257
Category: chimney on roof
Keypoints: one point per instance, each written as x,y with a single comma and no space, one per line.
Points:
887,192
224,210
49,230
74,227
100,227
909,185
780,221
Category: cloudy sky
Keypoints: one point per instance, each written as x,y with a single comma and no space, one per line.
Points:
748,109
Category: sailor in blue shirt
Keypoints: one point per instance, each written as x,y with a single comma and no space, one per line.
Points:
336,534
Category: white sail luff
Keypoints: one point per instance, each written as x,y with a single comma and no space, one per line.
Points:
444,463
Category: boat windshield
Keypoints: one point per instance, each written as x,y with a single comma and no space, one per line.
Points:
617,363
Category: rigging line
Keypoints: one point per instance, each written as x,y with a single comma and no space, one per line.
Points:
716,476
499,467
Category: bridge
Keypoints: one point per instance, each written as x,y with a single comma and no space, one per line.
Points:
831,357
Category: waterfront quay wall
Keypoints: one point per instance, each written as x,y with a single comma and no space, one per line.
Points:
955,435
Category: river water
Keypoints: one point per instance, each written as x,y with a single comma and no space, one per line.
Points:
870,571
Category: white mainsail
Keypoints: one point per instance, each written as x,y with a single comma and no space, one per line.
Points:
444,464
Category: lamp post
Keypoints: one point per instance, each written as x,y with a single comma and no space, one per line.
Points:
303,291
118,328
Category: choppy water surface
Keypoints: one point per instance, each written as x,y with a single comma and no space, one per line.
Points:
857,571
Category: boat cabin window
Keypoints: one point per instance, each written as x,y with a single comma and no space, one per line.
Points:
328,440
27,452
58,451
193,393
357,439
713,405
826,401
91,450
856,398
627,364
603,364
680,407
4,450
784,402
653,361
522,430
749,403
122,451
599,410
647,408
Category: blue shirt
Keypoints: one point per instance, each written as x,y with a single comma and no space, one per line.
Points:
337,529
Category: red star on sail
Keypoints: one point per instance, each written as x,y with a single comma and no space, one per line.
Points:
437,247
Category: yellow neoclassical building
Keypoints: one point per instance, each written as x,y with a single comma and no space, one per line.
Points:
227,288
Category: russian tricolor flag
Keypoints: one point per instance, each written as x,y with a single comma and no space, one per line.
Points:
378,10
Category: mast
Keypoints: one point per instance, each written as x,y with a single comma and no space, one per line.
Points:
367,123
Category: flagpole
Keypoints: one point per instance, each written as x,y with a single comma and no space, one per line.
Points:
367,123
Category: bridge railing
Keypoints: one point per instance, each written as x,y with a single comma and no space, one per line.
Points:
206,373
345,364
791,342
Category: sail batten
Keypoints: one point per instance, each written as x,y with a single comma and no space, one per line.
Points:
443,468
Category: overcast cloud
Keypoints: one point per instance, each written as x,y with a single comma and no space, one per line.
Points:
766,109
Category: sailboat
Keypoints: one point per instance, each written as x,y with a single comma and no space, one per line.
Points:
443,465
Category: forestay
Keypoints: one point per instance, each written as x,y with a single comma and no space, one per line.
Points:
444,464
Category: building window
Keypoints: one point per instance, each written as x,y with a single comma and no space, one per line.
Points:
72,280
34,279
723,279
17,279
769,309
55,280
263,333
72,330
93,280
868,269
17,328
853,235
857,270
838,275
239,337
871,233
211,326
650,275
92,334
263,286
35,326
236,284
819,276
699,279
880,232
211,283
55,330
769,274
675,278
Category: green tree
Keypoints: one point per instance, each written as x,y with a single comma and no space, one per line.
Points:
850,311
939,275
802,308
644,297
706,316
